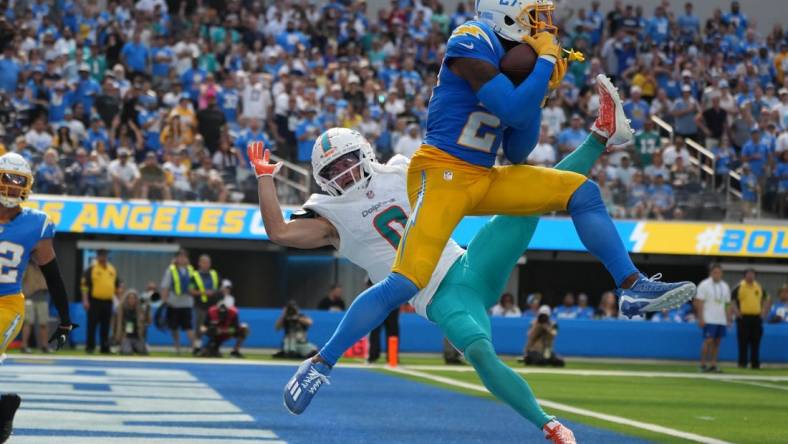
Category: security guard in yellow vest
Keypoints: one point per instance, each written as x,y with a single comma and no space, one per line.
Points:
175,293
752,305
99,284
205,289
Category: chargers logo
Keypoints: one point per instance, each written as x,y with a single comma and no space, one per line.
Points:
473,31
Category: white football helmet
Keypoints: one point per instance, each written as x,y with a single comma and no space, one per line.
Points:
343,149
16,180
513,19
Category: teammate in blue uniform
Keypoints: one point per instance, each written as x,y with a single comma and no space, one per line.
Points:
474,111
25,234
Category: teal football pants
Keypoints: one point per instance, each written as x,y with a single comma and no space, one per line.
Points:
474,284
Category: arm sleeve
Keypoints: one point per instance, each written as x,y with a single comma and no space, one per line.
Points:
518,143
517,107
57,289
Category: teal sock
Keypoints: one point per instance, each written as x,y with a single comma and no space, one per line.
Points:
505,383
583,158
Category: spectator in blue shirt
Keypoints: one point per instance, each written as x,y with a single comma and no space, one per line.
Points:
736,18
229,102
636,109
162,57
749,187
755,153
9,70
306,132
570,138
87,89
662,201
192,78
136,54
96,133
658,27
59,101
626,54
567,310
583,310
726,158
689,24
291,38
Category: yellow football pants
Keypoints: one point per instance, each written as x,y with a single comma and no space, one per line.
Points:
12,314
443,189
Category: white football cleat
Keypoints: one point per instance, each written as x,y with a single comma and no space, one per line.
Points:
558,433
611,123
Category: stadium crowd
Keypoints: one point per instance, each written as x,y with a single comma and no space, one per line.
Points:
157,99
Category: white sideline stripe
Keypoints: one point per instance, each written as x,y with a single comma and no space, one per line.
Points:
760,384
447,368
567,408
622,373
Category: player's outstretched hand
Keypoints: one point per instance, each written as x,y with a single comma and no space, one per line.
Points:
544,43
259,159
60,336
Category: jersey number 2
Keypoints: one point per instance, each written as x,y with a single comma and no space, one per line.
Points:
10,257
390,223
472,136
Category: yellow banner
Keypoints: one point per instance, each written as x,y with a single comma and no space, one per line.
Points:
710,239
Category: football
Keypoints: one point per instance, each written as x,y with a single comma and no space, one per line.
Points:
518,62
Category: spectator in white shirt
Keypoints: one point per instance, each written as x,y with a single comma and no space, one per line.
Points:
409,143
506,307
38,137
624,172
554,117
181,180
544,152
679,148
123,174
714,312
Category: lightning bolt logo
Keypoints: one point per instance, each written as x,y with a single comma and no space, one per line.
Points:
473,31
639,237
9,332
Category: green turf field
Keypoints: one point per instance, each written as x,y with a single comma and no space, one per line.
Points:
741,411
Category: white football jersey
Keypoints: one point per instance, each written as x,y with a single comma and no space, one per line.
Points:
371,222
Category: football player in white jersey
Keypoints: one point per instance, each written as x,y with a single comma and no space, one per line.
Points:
363,215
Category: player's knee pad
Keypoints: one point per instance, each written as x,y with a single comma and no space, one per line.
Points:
243,331
586,197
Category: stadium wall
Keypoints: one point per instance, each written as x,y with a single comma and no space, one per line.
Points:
593,338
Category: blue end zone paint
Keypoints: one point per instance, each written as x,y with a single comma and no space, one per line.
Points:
92,387
359,406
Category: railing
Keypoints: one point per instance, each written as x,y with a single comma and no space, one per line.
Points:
295,177
706,162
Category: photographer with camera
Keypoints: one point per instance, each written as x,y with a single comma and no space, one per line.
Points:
541,335
222,323
295,325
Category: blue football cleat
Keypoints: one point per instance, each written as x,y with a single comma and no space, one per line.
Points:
649,294
303,386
